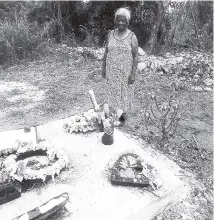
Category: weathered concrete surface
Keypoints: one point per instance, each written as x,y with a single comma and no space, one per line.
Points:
91,193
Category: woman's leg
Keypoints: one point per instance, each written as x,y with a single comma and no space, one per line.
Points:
123,117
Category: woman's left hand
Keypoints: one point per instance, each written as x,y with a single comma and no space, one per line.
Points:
131,79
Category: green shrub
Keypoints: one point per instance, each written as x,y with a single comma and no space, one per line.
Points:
18,38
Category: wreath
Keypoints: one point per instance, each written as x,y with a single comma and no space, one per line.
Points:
29,162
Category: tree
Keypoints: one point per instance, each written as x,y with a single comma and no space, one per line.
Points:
179,9
154,32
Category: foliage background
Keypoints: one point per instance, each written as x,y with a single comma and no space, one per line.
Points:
33,29
26,27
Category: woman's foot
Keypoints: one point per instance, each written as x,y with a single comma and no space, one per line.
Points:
123,118
120,118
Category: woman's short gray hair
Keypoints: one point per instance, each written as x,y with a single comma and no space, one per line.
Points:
123,12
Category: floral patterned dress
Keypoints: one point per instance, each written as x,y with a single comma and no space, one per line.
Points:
119,63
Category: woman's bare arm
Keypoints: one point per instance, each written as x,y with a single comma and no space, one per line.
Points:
104,58
134,54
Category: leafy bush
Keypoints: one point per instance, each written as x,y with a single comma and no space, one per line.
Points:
20,38
26,26
17,40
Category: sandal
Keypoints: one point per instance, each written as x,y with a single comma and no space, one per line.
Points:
123,117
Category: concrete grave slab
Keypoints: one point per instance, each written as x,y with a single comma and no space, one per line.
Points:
88,180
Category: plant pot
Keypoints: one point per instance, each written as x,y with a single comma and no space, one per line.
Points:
107,139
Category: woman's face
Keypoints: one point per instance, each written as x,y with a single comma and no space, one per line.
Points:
121,22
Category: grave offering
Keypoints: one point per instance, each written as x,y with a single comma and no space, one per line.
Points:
29,162
104,119
130,170
46,210
97,118
88,121
9,192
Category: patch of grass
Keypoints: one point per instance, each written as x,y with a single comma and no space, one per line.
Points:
16,114
4,102
15,92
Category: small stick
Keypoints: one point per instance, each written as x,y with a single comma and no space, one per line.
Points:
200,149
196,142
37,137
183,175
93,100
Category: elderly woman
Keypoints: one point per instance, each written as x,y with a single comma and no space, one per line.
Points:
120,64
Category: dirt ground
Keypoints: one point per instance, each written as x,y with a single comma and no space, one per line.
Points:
56,86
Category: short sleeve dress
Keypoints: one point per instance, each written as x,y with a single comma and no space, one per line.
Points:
119,63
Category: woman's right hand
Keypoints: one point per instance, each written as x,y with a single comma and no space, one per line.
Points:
104,72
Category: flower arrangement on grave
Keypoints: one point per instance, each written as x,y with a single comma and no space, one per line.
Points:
88,121
27,161
97,118
131,170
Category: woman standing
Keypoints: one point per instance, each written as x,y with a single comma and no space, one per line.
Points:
120,64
